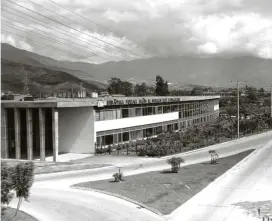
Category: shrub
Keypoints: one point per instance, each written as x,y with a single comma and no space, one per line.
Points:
6,187
118,177
175,163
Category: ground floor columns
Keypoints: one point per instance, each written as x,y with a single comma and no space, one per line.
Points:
42,133
17,125
29,131
4,134
55,133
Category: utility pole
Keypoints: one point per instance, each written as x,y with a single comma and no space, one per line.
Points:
238,110
238,107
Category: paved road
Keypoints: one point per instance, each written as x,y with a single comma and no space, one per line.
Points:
247,184
53,199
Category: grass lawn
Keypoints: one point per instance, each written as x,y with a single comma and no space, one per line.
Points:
50,167
166,191
21,216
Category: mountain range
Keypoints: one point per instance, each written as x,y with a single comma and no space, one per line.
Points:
214,71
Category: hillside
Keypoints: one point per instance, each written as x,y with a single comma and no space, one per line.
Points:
41,79
214,71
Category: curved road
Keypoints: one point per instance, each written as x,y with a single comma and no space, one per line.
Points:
53,199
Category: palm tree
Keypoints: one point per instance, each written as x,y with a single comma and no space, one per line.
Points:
175,163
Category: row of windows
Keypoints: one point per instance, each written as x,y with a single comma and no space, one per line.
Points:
184,109
131,134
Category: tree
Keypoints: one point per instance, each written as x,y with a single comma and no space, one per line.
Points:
117,86
252,93
22,180
141,89
6,187
175,163
161,86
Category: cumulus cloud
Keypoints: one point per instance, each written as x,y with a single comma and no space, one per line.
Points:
142,28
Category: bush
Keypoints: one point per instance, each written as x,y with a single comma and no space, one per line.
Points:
6,187
118,177
175,163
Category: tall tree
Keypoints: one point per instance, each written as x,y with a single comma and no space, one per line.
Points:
141,90
161,86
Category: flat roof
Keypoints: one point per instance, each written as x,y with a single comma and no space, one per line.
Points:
100,101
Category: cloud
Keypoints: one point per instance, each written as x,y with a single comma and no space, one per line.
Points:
209,48
145,28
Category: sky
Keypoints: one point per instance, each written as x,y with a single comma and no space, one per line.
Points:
113,30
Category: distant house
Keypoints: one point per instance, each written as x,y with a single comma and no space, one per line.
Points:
103,94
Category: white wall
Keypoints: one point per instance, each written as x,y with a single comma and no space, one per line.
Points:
216,107
134,121
76,130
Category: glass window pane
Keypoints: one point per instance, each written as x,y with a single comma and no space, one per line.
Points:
125,113
126,136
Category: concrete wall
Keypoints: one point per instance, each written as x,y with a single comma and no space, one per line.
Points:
134,121
76,130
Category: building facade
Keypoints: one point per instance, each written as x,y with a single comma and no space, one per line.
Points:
36,129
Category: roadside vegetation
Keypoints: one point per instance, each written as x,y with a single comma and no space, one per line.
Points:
16,181
166,190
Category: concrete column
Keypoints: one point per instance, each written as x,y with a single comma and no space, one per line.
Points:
17,125
55,135
29,131
42,133
4,134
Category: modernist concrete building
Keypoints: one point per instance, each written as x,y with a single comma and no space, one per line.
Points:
36,129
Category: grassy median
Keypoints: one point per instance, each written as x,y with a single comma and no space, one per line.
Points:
166,191
21,216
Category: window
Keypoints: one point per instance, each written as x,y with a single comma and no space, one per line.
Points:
101,116
131,112
126,136
160,110
148,132
108,139
166,109
150,110
120,137
125,113
174,108
145,111
118,114
176,126
97,114
138,111
115,138
158,130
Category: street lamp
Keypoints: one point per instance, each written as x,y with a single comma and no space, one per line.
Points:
238,107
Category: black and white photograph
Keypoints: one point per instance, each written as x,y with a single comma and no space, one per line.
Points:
136,110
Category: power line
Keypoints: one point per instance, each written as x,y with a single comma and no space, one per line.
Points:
64,33
44,44
107,29
46,38
67,26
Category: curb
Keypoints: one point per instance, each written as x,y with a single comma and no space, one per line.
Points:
120,197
